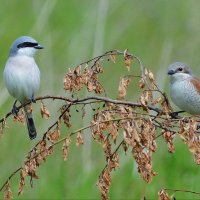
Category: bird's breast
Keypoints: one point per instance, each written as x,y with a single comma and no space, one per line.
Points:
22,77
185,96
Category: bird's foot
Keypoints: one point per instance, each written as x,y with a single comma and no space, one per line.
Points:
174,115
15,110
33,99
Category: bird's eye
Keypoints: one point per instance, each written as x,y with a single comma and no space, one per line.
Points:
180,69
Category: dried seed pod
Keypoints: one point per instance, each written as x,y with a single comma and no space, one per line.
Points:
127,59
8,193
65,148
162,195
113,58
169,136
22,181
142,83
55,135
104,183
123,84
44,111
66,119
79,139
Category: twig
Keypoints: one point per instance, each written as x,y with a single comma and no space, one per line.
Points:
182,190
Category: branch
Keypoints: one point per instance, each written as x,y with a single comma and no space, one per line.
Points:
84,101
182,190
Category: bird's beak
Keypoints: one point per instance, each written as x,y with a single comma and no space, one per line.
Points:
38,47
171,72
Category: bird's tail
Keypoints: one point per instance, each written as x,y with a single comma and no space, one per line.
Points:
30,123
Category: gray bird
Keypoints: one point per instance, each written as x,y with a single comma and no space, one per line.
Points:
22,76
184,88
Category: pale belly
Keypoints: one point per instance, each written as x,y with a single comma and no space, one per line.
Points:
185,97
22,81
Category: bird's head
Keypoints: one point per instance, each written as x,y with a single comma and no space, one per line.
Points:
179,71
24,45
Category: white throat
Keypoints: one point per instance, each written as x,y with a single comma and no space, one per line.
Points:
27,51
179,77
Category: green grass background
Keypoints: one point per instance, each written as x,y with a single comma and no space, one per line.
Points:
158,31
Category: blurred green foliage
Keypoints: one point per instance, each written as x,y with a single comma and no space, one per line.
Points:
158,31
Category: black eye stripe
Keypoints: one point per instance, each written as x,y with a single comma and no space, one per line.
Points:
27,44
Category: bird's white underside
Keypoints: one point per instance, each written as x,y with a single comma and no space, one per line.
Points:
183,93
22,77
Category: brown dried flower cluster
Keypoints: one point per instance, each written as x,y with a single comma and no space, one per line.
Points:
187,131
8,193
117,125
44,111
140,135
123,84
65,148
83,76
162,195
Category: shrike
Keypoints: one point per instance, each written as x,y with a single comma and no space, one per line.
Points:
184,88
22,76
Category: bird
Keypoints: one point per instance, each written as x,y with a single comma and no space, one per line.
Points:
184,88
22,77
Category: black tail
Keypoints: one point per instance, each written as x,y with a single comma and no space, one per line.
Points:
31,126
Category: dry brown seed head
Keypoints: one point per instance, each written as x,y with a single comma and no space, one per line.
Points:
65,148
8,193
163,195
123,84
44,111
79,139
127,59
141,83
113,58
21,183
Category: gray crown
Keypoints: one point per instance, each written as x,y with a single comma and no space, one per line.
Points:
14,47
